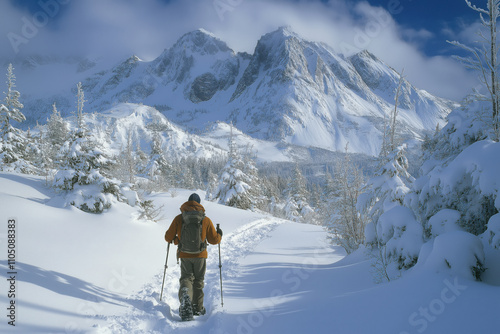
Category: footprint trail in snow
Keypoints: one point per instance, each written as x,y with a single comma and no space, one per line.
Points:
148,315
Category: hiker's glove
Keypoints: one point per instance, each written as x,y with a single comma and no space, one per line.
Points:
219,231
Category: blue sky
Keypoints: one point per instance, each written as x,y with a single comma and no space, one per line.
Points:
404,33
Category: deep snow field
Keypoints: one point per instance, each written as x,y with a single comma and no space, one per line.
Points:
83,273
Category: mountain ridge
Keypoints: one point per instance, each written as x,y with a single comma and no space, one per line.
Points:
289,90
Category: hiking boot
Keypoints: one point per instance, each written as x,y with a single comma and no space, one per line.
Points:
198,311
185,309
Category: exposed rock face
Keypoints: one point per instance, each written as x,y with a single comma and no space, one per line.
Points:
204,87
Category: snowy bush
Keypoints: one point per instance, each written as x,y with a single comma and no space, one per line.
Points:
466,125
90,192
387,189
345,222
444,221
468,184
89,199
493,232
14,152
401,234
453,202
457,253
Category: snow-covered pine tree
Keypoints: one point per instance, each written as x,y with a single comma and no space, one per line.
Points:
255,193
234,187
449,199
57,130
212,182
33,153
272,196
184,176
386,191
82,169
297,207
46,159
12,140
158,170
12,104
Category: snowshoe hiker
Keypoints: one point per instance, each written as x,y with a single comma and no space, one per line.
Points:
191,230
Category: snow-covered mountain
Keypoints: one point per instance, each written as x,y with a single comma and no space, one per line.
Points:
138,122
290,90
115,126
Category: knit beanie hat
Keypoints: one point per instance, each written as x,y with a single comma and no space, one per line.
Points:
194,197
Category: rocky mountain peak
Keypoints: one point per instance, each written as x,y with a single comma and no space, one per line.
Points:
289,90
202,42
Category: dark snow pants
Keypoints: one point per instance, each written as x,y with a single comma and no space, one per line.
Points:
193,277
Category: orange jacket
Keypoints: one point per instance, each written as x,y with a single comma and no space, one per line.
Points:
208,230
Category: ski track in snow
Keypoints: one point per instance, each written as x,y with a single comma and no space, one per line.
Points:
148,315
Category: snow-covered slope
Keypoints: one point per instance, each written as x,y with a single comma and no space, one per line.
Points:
137,122
78,272
290,90
140,122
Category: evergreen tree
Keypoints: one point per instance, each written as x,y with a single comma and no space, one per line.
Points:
57,127
12,140
46,158
252,173
235,186
56,133
297,207
184,174
212,182
387,188
386,191
82,176
33,154
12,110
83,168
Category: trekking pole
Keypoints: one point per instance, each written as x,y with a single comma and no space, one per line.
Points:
220,275
164,271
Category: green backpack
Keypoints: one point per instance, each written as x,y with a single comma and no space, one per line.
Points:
191,230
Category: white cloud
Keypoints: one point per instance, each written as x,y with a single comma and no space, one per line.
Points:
116,28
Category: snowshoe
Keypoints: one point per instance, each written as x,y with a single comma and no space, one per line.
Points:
186,309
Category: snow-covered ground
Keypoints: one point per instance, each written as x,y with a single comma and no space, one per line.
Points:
82,273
